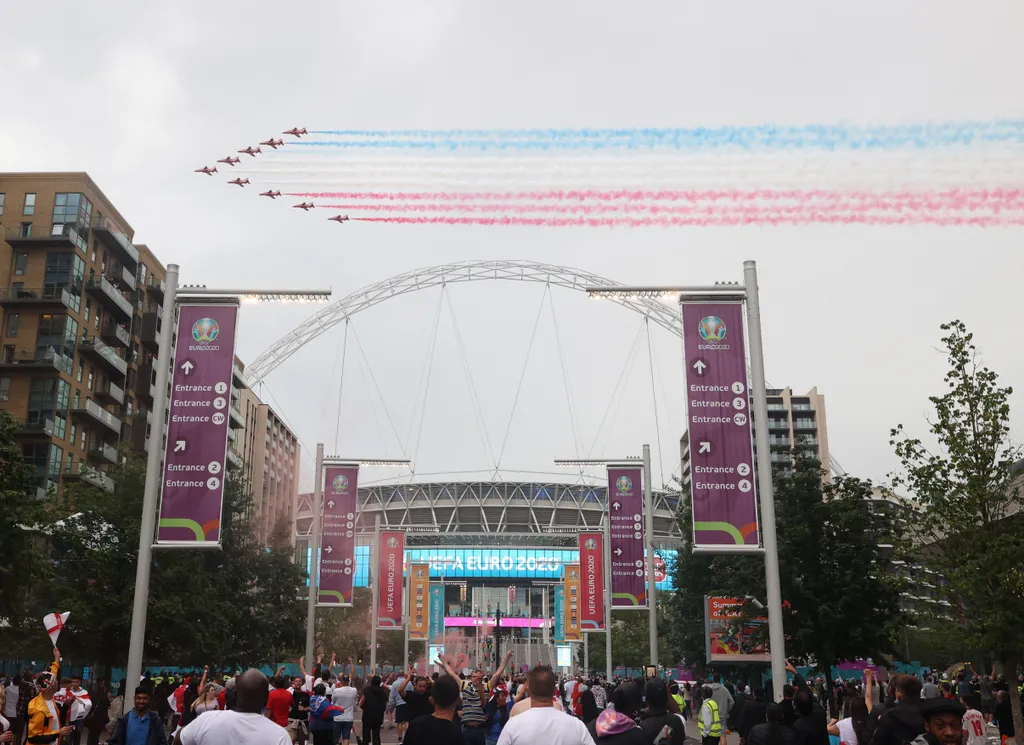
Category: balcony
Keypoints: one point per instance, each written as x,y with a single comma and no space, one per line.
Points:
103,354
122,277
116,334
104,453
38,298
234,458
109,393
104,291
47,364
35,427
150,333
144,387
237,377
157,288
116,241
82,472
235,420
58,236
93,413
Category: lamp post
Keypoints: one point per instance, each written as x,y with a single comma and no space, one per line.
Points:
151,492
748,294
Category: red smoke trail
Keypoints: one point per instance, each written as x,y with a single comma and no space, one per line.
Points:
807,218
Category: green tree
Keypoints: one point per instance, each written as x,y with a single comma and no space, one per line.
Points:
967,493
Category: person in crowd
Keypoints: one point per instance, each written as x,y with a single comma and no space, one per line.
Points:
773,731
321,716
345,696
600,694
396,705
496,715
588,702
244,724
542,722
298,716
373,703
475,693
709,719
206,700
901,723
140,726
44,722
788,711
416,694
617,725
657,717
986,691
279,702
98,716
974,725
1003,715
438,727
523,699
852,730
929,689
9,710
811,725
722,697
6,733
755,712
943,722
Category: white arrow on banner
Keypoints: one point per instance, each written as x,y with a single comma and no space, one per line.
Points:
699,366
179,446
328,549
330,504
618,552
616,505
187,366
705,447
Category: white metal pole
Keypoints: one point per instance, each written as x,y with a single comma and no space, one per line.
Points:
608,598
406,607
764,482
314,557
374,568
586,654
651,556
545,636
151,494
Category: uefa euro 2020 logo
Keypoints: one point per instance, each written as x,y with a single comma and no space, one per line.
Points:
624,483
392,542
590,544
205,330
712,329
340,482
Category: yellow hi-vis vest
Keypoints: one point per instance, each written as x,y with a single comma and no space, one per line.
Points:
716,722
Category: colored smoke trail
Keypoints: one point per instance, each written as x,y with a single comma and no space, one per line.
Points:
716,221
761,137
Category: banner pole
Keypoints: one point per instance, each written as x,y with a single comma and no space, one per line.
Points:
314,559
776,636
406,608
652,606
374,580
608,599
151,494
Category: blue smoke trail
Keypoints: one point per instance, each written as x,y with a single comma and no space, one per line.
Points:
762,137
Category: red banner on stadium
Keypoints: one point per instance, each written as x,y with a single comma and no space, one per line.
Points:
592,571
389,579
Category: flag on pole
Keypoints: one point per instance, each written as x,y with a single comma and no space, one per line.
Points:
54,622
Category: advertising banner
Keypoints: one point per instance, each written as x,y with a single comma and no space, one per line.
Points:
626,512
389,577
718,416
337,535
436,613
730,638
592,582
197,431
573,632
419,601
559,613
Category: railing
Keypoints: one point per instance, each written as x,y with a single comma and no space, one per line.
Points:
36,426
103,285
157,286
104,351
114,392
48,359
105,228
35,294
116,330
89,475
65,230
105,451
96,411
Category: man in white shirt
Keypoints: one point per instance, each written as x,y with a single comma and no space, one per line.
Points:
80,705
542,723
975,732
246,723
345,696
522,700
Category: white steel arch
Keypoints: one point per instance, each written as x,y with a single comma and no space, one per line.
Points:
666,316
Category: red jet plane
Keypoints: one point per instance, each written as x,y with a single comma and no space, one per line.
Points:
304,206
271,194
207,170
339,218
251,151
239,181
272,143
296,132
230,161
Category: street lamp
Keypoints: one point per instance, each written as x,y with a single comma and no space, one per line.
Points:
151,494
747,293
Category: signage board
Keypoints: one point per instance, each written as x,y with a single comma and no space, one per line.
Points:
390,583
192,487
731,638
419,601
436,612
337,536
625,509
573,631
559,613
592,582
722,479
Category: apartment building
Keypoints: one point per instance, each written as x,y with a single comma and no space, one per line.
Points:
75,297
794,422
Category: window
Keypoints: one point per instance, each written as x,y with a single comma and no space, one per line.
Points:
25,230
88,309
81,371
5,388
20,261
74,210
60,419
30,205
56,461
90,380
83,440
74,433
13,320
1,204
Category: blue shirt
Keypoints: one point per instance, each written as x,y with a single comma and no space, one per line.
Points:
137,731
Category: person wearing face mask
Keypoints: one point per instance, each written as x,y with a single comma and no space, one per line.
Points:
43,718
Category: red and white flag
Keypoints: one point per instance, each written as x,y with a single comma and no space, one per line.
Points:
54,622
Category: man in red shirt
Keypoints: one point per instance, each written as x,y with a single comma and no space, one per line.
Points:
279,702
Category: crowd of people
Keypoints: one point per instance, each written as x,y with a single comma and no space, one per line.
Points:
320,706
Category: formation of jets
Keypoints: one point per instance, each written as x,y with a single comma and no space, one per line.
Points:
295,132
307,206
271,194
239,181
230,161
339,218
250,150
207,170
272,143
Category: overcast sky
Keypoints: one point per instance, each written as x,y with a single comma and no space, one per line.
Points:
139,93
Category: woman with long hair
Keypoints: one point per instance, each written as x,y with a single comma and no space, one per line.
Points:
851,731
189,699
206,700
588,705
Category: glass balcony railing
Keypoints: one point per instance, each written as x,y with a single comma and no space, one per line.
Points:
104,290
41,296
95,412
104,352
113,238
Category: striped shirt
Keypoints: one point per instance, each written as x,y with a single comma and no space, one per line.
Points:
472,707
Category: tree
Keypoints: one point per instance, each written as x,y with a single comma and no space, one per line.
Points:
967,493
631,642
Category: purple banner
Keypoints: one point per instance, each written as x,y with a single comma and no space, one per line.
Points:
197,430
718,419
338,536
626,511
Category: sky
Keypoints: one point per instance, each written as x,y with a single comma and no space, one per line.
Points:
140,94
